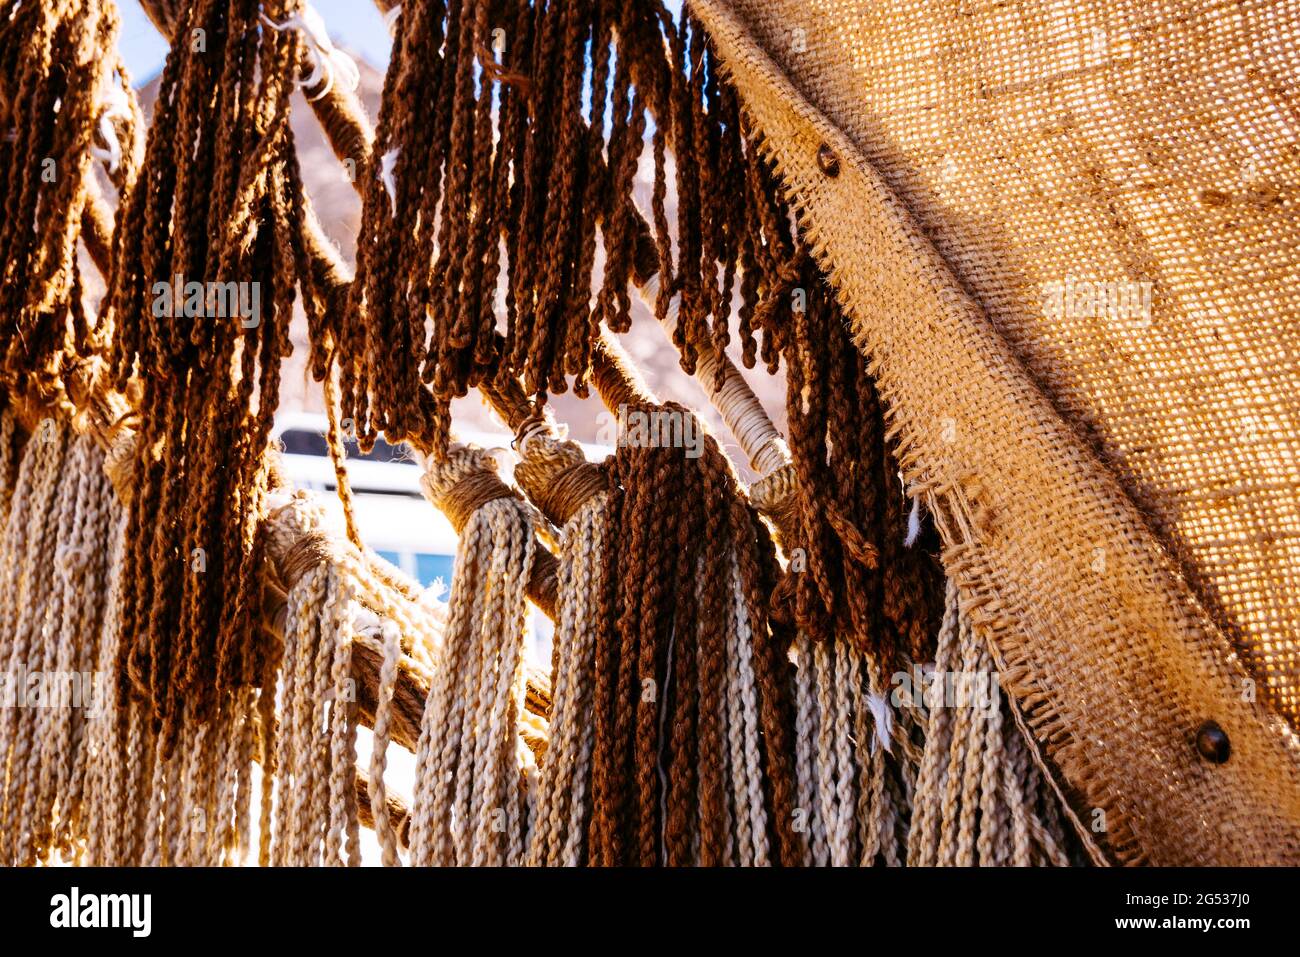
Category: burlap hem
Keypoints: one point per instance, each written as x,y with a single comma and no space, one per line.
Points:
1111,659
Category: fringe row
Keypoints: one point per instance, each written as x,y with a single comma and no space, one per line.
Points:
94,782
88,776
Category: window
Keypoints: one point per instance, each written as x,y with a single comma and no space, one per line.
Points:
429,568
311,442
393,558
423,567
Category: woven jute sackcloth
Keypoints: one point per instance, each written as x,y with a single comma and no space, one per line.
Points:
1066,236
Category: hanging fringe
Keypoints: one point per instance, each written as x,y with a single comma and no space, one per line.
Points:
572,493
64,98
853,760
315,818
505,155
344,610
681,622
475,775
222,211
55,553
86,779
853,789
840,507
88,775
980,798
860,598
732,690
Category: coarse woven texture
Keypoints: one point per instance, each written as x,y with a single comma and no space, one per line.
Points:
1118,493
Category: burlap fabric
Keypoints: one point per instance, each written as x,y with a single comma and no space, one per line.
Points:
1066,235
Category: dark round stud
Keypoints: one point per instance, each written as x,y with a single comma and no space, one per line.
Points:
828,161
1212,742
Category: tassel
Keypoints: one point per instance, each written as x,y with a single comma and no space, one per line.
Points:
340,602
316,818
691,695
636,712
854,756
475,775
551,466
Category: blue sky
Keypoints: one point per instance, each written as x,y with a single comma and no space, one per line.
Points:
356,23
